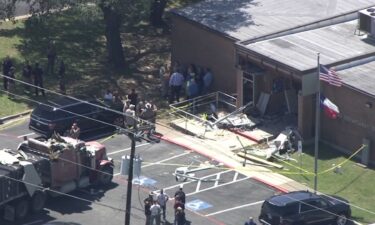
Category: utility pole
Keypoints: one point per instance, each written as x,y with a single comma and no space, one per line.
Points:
133,136
317,124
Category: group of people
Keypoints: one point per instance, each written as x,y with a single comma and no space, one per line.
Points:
134,108
192,80
155,208
33,75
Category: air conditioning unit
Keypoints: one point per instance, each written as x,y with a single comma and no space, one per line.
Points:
366,19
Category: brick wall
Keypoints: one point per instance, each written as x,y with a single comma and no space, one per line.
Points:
192,43
357,121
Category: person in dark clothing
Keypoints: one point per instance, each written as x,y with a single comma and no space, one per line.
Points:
7,64
133,96
26,74
148,203
61,76
38,79
11,81
180,194
180,216
178,203
250,221
51,56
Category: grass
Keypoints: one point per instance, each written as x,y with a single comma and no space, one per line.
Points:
355,183
81,44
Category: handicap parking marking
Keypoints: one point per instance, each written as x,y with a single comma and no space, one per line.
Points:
144,181
197,205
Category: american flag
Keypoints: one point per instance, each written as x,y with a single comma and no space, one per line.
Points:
329,76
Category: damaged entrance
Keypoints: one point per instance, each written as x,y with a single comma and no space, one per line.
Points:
215,117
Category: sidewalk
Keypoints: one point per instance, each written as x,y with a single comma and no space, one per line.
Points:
221,150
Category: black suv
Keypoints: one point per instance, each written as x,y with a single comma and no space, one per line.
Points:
303,207
59,115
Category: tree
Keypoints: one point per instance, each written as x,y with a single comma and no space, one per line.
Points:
114,13
157,11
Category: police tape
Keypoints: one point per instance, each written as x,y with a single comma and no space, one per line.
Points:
296,167
343,162
107,138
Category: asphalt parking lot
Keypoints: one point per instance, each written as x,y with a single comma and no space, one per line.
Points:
214,196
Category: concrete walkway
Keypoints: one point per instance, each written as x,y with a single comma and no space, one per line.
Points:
221,149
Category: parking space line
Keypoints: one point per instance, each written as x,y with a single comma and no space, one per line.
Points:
220,185
161,161
126,149
24,135
217,179
237,207
188,182
164,160
235,176
198,185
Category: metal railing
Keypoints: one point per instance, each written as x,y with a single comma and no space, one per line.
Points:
206,104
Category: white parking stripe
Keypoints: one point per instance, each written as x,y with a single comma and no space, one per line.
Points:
126,149
188,182
29,134
217,179
237,207
167,159
161,161
198,185
221,185
235,176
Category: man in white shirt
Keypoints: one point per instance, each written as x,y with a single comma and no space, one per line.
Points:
155,213
162,199
175,83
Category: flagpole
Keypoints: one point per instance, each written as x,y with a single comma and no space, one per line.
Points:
317,126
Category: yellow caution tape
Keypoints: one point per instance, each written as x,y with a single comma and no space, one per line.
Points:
107,138
343,162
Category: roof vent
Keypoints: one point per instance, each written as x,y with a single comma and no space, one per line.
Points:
367,21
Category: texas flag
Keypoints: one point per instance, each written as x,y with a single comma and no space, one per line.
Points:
330,109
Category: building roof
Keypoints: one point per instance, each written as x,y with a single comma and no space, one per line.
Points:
248,19
336,44
360,77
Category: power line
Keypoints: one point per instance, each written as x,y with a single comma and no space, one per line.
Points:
115,111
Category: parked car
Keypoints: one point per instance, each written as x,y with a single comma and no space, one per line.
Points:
303,207
59,115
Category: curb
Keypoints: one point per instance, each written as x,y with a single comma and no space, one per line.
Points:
245,135
232,166
6,118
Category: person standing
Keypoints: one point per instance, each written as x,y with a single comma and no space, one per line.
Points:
38,79
180,216
180,194
155,213
250,221
26,74
133,96
11,81
192,89
7,64
148,203
51,57
162,199
176,82
61,76
164,78
207,81
75,131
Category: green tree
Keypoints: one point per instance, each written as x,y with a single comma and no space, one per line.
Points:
114,13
